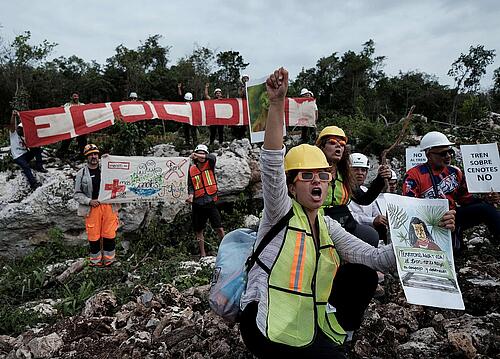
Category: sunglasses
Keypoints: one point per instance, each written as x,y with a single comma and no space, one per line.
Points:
309,176
443,154
334,141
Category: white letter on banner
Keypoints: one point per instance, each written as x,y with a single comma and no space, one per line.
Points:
223,110
57,125
96,116
132,110
181,109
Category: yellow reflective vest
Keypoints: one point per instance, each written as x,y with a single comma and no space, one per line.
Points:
300,282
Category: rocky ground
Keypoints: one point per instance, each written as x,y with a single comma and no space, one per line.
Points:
164,323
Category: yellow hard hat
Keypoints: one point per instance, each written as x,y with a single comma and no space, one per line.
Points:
305,157
331,131
90,148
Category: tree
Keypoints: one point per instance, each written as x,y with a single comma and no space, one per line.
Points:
230,64
467,71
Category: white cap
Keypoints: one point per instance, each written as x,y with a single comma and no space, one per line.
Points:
311,93
132,95
201,147
394,176
304,91
245,75
188,96
434,139
217,89
20,124
359,160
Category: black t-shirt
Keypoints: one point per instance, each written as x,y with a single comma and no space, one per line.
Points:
95,174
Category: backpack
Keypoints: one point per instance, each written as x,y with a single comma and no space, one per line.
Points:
235,258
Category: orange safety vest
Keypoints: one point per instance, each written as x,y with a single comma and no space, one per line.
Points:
203,180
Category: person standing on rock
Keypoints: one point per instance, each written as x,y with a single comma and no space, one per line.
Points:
82,139
101,220
215,129
437,178
21,154
202,194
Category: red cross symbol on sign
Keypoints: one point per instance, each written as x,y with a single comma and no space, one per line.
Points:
114,187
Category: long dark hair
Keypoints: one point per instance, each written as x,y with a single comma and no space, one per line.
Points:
344,167
413,236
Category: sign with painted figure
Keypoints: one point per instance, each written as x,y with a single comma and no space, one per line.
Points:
481,167
424,252
258,106
414,157
143,179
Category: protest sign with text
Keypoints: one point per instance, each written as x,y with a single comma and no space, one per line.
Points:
50,125
143,179
481,167
414,157
424,252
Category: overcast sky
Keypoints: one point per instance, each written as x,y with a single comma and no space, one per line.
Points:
425,35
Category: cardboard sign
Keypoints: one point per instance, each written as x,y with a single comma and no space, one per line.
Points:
146,179
424,252
414,157
481,167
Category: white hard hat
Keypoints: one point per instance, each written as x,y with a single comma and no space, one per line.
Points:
245,75
394,176
217,89
359,160
20,124
434,139
188,96
311,93
132,95
201,147
304,91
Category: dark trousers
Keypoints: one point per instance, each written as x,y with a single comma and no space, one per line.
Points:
474,214
219,130
352,291
63,150
190,132
239,132
24,162
308,135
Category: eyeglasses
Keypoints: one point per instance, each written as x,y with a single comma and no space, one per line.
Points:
334,141
443,154
307,176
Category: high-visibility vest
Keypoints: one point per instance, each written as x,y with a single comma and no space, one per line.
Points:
203,180
300,283
337,194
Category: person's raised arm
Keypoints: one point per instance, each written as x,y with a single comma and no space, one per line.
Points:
277,86
207,96
12,125
179,89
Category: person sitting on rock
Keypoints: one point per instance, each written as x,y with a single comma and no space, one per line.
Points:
101,220
202,189
437,178
22,154
314,280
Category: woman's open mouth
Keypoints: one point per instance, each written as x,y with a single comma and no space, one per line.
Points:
316,193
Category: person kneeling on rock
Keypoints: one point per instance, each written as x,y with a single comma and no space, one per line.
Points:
101,220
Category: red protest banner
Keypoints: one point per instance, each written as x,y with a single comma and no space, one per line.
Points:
49,125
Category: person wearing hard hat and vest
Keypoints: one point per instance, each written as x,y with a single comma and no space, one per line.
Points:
437,178
202,194
101,220
333,142
215,129
189,130
300,299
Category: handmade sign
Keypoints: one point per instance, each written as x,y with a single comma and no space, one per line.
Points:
414,157
481,167
423,250
133,179
45,126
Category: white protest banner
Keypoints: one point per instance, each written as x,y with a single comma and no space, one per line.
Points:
481,167
145,179
424,252
414,157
